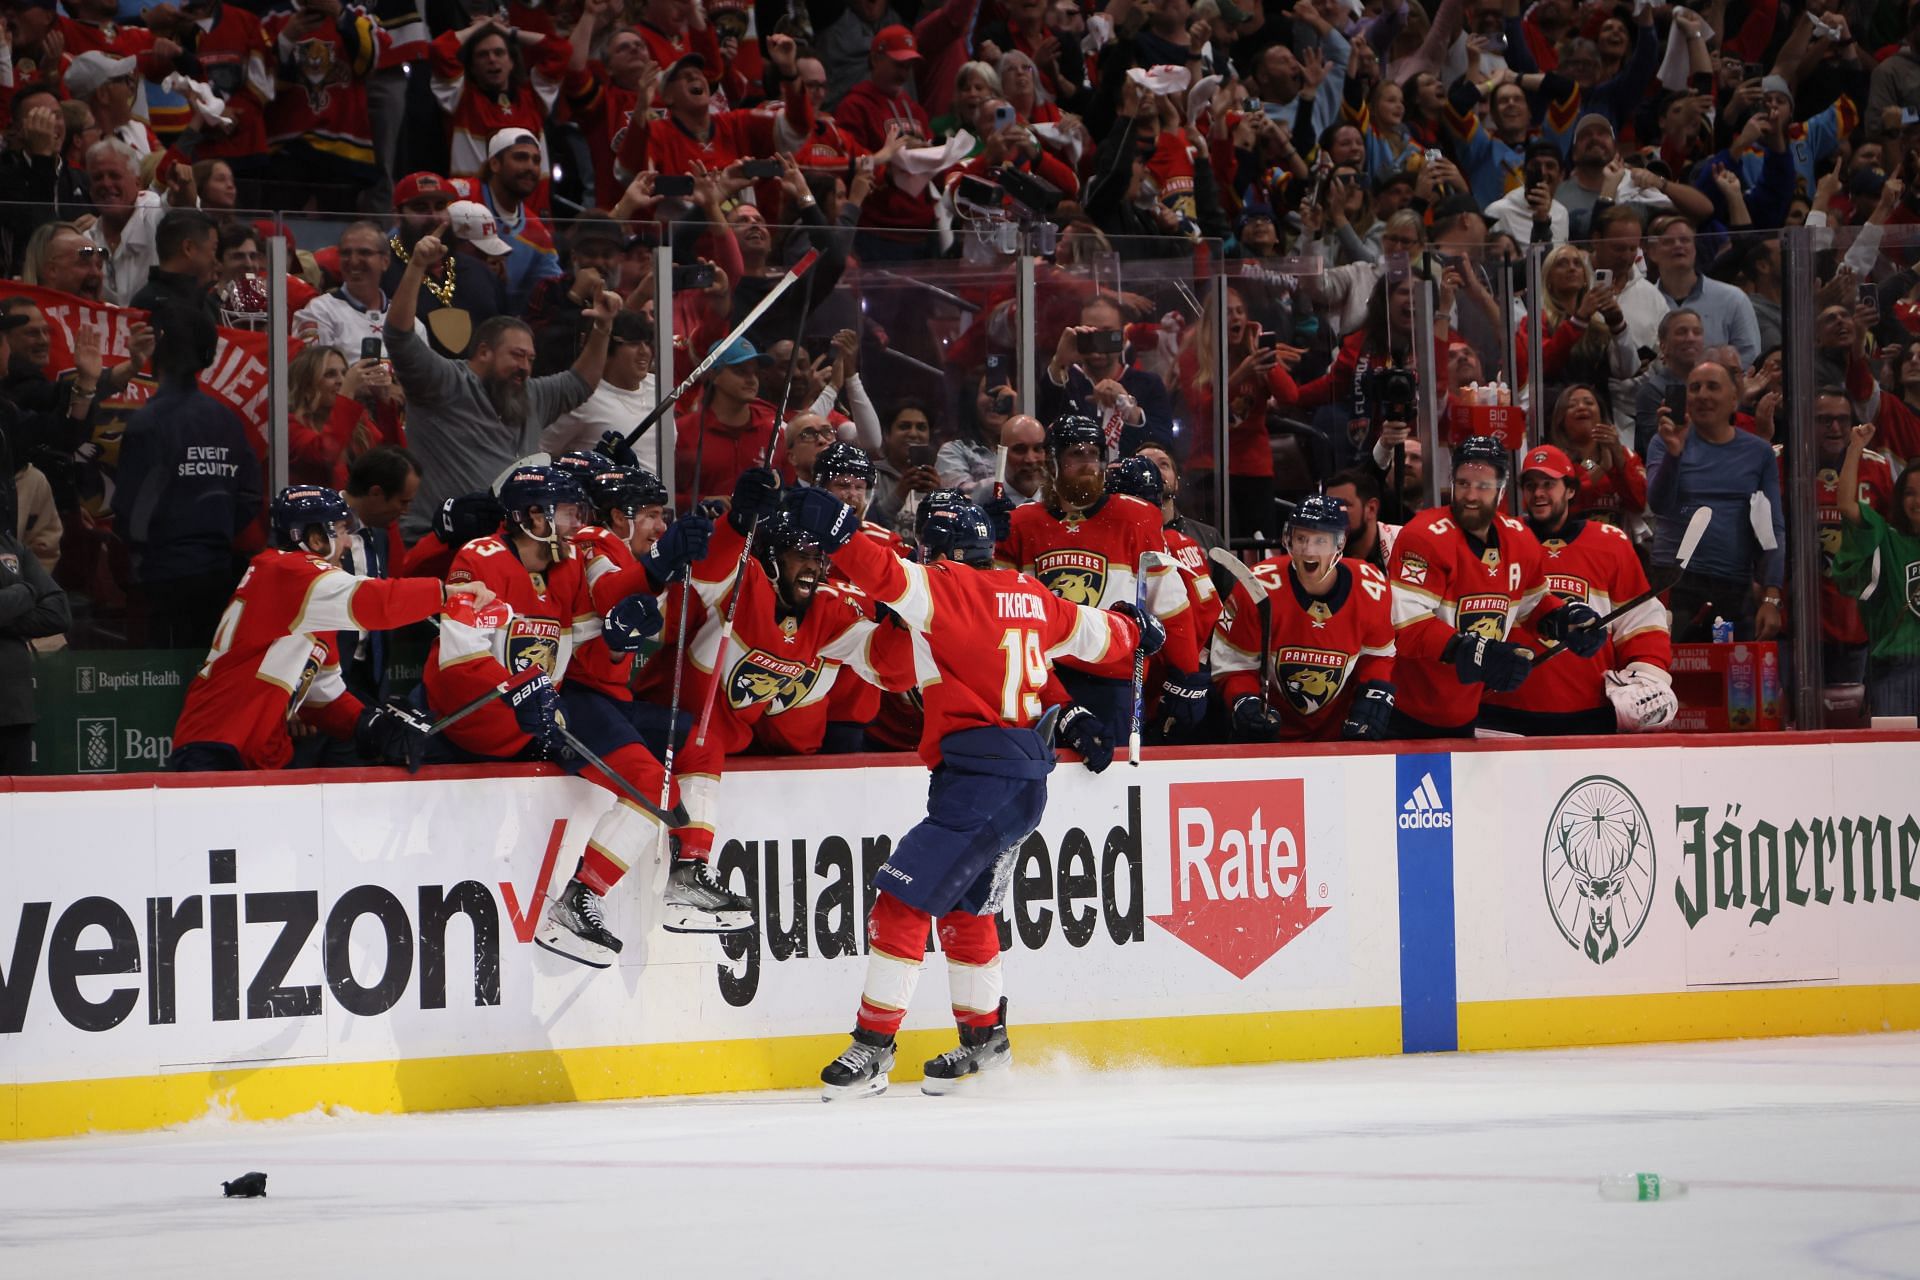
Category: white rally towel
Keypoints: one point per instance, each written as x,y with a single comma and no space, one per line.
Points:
914,168
1163,80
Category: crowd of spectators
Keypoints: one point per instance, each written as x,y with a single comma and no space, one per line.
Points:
1321,161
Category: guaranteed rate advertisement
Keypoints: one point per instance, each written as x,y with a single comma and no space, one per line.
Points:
209,929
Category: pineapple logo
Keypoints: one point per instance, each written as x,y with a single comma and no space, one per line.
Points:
1598,865
97,738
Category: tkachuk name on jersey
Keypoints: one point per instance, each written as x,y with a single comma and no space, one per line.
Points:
1563,584
1020,605
1076,576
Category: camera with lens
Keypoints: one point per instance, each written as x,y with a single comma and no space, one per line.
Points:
1392,394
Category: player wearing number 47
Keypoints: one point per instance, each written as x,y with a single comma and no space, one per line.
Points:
982,642
1626,685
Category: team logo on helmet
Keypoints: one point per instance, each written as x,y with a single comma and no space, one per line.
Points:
758,676
1597,863
533,642
1310,678
1078,577
1484,616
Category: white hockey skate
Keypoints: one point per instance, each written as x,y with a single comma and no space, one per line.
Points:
861,1069
695,902
574,928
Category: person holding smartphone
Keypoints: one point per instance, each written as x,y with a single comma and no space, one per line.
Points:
1090,374
904,471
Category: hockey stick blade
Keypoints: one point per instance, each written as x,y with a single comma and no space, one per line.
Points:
1243,574
524,676
660,410
675,817
1241,571
1689,543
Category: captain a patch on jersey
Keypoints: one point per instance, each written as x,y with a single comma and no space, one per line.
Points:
1310,678
1484,615
1078,577
758,676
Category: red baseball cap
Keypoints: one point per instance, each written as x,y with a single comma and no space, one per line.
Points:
1548,461
421,186
897,43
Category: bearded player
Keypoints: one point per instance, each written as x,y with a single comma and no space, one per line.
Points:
1086,548
1329,640
273,658
1463,577
1626,685
982,671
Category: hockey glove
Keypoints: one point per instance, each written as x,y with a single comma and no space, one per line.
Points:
467,518
631,623
614,445
999,513
1642,697
1372,709
684,542
755,494
1152,633
1576,626
392,734
1183,700
1254,720
536,706
1081,730
824,516
1499,664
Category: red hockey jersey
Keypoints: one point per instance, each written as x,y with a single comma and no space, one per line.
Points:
321,99
1594,563
613,573
237,60
1447,584
537,619
273,654
474,117
1092,558
981,642
1324,647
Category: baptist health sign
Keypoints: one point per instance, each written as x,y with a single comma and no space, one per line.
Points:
105,711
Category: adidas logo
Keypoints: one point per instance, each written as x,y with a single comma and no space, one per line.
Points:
1424,808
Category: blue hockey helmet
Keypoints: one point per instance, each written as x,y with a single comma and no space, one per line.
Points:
583,464
546,489
1073,429
625,489
938,500
842,459
299,509
960,533
1487,449
1136,477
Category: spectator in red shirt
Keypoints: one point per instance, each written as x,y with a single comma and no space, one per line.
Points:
327,426
735,422
894,223
489,77
602,93
692,139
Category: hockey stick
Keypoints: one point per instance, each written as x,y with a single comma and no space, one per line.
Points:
680,624
794,272
1689,543
746,548
1139,666
521,677
675,817
1262,603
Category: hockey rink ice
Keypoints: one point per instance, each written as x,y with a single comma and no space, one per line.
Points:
1803,1155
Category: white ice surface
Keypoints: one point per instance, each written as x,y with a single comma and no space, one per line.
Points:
1804,1157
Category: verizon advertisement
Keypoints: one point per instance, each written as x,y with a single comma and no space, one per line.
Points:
372,922
1627,871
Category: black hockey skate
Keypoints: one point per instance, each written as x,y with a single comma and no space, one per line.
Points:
698,903
574,928
981,1049
861,1069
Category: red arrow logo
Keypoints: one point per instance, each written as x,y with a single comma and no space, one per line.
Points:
1239,870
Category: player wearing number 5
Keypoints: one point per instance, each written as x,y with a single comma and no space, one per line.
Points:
1317,629
982,642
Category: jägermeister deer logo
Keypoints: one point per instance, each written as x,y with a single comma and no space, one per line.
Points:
1597,861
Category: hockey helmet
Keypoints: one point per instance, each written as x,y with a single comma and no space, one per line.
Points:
626,490
583,465
545,489
842,459
1073,429
301,508
938,500
1486,449
1317,513
1136,477
466,518
960,532
243,303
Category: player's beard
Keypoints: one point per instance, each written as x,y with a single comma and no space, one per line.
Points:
1080,491
508,396
1474,520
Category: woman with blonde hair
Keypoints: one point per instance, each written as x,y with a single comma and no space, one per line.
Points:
327,426
1588,337
973,84
1613,479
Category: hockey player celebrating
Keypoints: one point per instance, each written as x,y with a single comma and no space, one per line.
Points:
999,634
273,657
1323,642
1086,548
1625,684
1463,577
847,472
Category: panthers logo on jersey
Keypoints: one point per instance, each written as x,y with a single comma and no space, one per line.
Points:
533,642
1484,616
1310,678
1078,577
758,676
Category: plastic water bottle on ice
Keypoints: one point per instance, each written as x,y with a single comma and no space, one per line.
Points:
1640,1186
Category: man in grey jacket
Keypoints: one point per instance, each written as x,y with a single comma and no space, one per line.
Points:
469,420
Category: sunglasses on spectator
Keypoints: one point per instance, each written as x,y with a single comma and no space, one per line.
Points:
90,253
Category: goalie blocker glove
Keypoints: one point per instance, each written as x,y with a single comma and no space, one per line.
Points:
1576,626
1081,730
392,733
1255,721
1499,664
1370,713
